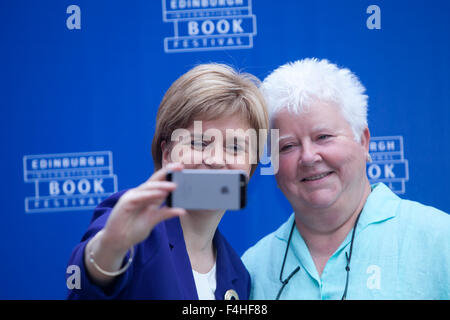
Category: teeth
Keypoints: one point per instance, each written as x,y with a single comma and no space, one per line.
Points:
319,176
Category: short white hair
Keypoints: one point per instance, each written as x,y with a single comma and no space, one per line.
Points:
295,85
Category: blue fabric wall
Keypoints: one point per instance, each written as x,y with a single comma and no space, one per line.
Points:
84,83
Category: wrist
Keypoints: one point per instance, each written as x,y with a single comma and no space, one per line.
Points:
105,262
110,246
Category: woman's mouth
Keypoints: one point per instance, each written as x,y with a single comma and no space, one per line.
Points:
317,176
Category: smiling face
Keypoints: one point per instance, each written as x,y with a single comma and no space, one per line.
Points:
213,144
321,165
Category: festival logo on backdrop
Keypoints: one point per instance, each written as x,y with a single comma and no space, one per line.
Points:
200,25
388,163
68,181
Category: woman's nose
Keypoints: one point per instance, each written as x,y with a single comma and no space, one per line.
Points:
309,155
214,157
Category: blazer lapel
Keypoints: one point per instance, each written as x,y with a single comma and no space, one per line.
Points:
226,275
181,259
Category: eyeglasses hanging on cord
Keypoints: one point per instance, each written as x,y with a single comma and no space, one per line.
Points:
348,256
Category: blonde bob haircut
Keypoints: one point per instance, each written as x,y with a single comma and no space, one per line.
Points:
209,92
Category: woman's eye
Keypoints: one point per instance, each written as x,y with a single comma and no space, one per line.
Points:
198,144
235,148
323,137
286,147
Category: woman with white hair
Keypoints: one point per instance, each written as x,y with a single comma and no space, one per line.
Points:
346,238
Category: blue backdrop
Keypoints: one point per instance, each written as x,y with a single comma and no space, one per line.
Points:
81,81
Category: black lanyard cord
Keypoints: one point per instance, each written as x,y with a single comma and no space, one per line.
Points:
285,281
348,256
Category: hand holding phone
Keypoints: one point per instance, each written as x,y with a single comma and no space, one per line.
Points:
139,210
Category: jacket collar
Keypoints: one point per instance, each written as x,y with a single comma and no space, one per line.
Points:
380,206
226,273
182,263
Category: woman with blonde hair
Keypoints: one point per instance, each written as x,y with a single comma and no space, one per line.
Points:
138,248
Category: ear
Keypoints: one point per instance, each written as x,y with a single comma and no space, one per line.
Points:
365,139
165,148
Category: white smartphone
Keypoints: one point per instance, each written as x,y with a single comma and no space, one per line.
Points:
208,189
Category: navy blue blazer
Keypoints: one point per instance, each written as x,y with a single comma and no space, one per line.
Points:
161,268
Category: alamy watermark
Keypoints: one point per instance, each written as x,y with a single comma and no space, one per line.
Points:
237,147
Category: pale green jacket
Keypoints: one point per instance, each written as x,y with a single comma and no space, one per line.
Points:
401,251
